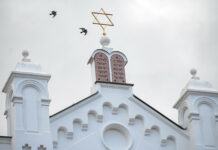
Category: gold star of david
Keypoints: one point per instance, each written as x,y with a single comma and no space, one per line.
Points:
102,12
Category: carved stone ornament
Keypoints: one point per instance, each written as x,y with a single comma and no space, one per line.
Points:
117,67
102,67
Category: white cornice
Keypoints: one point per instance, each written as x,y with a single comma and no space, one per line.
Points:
191,91
108,55
24,75
114,85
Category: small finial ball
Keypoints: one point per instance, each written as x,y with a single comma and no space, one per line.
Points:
193,72
105,41
25,53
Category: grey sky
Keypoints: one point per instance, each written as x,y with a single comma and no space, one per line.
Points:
162,39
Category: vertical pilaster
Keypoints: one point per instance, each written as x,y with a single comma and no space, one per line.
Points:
28,107
198,106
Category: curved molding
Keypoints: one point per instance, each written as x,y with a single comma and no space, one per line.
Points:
121,54
84,126
68,135
119,128
109,55
164,142
109,104
62,128
92,112
31,83
182,115
154,127
99,51
123,106
99,118
139,117
77,120
206,100
171,137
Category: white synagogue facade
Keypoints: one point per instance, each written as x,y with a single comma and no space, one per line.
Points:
111,118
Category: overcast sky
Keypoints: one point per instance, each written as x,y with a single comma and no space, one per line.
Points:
162,39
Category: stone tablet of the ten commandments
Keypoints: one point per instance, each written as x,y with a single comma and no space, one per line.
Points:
102,67
117,67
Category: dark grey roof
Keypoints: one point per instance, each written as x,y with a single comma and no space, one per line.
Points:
73,105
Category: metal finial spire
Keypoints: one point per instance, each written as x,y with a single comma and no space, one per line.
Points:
102,12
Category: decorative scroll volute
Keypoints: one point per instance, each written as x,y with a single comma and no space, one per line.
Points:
102,67
118,70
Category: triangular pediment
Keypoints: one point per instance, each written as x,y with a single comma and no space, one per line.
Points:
111,114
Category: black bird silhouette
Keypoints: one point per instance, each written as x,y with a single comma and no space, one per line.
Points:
53,13
83,31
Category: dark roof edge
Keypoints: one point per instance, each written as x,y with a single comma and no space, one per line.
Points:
159,113
133,96
73,105
127,84
8,137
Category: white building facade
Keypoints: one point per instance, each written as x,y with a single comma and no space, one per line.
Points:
111,118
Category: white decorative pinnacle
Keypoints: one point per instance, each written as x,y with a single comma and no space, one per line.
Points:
193,72
25,54
27,66
105,41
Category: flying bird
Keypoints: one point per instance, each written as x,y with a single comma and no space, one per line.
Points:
83,31
53,13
